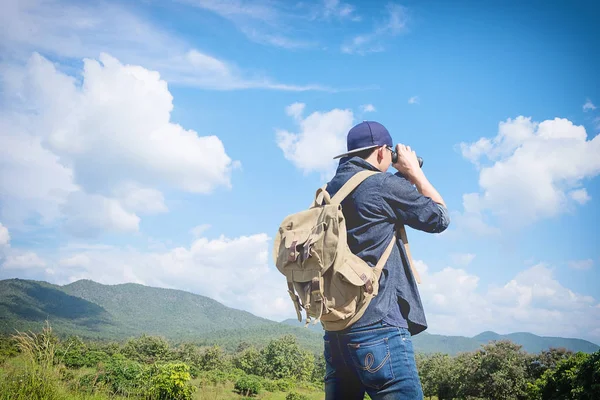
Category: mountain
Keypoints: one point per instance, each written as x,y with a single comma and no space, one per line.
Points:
116,312
535,344
430,343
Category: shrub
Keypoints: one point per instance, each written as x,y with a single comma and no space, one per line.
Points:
277,385
248,385
296,396
28,382
170,382
123,376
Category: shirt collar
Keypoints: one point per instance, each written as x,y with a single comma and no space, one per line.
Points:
354,163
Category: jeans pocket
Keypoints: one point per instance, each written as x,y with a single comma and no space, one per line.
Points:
373,362
329,367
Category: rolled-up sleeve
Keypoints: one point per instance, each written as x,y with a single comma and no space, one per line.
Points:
402,201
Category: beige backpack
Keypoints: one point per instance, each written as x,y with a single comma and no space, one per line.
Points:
323,276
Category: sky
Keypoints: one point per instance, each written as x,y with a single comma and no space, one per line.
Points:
163,142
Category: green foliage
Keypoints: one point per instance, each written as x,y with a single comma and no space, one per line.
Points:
250,360
546,359
122,376
8,347
573,378
146,349
170,382
248,385
500,372
296,396
149,368
214,358
28,382
438,375
283,358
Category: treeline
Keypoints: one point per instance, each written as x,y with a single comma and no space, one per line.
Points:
148,367
501,370
42,366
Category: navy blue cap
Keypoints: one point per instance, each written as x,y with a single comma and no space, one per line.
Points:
366,135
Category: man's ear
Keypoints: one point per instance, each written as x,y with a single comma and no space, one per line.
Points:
380,153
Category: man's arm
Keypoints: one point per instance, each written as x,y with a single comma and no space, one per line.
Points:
426,188
424,208
408,165
410,207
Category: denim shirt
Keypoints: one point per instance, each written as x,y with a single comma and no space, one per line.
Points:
372,212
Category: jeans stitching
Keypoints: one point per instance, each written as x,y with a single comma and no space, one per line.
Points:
386,360
391,328
413,379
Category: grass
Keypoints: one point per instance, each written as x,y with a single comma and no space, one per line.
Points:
36,374
224,391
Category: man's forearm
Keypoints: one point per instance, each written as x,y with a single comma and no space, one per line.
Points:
426,188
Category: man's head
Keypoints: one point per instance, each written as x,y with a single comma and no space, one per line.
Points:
371,141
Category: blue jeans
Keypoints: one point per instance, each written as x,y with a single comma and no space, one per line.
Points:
378,359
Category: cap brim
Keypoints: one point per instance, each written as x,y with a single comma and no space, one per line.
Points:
356,151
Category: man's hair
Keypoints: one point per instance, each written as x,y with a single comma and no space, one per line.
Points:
366,153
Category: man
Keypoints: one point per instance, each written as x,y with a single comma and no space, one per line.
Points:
376,353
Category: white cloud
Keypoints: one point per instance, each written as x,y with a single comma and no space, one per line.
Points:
88,215
262,22
279,24
77,260
99,152
580,195
533,301
85,30
581,264
233,271
463,258
588,105
32,180
140,199
321,136
367,108
198,230
394,24
413,100
4,236
532,169
23,260
335,8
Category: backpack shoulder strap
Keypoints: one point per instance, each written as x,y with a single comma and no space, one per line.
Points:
379,267
351,184
404,238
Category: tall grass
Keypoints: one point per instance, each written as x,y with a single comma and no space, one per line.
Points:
32,377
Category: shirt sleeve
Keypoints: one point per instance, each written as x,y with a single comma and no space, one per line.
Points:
402,201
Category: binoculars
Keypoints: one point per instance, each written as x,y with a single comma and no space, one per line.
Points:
395,157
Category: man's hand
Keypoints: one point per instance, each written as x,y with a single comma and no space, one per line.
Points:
407,164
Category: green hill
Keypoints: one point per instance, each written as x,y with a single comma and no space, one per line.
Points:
431,343
116,312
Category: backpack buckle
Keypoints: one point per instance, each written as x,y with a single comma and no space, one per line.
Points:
368,284
293,254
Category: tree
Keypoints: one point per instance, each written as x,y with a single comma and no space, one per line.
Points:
495,371
250,360
283,358
546,359
573,378
213,358
147,349
437,373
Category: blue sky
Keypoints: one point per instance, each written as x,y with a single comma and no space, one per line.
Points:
163,143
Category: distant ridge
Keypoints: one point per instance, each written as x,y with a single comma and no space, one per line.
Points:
430,343
116,312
